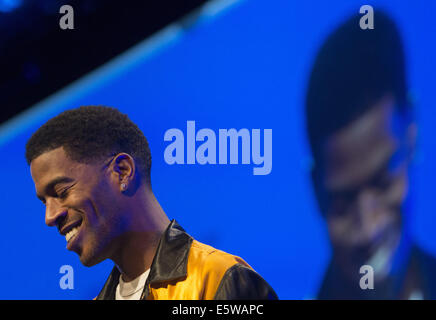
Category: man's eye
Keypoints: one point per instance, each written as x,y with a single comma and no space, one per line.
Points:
383,182
64,193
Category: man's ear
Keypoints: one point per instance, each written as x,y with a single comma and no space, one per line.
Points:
412,137
124,167
318,190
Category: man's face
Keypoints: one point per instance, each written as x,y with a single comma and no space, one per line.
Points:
81,201
363,185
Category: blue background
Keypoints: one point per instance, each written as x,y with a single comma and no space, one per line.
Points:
245,66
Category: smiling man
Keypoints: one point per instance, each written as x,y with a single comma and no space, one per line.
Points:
91,169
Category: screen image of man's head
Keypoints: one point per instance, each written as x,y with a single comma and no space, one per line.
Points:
362,134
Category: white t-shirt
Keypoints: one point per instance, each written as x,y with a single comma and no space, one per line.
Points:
131,290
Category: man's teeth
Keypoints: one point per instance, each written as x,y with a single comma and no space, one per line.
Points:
71,233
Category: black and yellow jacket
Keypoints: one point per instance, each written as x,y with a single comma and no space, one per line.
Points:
185,269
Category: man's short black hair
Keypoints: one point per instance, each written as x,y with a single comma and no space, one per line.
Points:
91,133
354,69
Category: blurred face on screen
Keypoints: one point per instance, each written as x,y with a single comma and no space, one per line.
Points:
76,199
362,187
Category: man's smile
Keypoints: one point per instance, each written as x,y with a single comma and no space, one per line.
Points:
71,230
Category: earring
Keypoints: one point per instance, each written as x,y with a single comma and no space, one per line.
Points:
123,186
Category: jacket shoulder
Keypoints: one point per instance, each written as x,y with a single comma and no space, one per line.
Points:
211,257
243,283
227,276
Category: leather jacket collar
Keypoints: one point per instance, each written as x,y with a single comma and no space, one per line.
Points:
169,263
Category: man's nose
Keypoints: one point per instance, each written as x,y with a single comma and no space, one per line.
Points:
54,213
367,203
368,208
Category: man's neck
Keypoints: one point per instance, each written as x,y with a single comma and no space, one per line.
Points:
137,246
388,284
136,254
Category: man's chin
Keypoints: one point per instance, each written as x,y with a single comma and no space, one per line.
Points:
350,262
89,260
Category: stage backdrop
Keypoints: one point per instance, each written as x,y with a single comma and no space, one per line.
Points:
240,64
